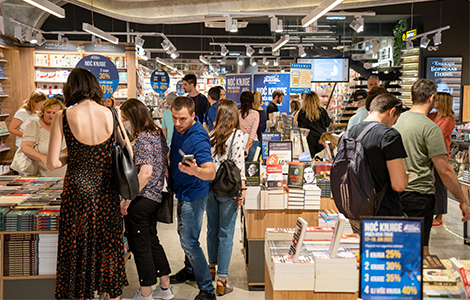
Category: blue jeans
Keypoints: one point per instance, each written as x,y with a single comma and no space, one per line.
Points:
221,218
251,152
189,216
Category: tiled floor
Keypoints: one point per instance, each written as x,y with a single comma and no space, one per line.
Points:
446,242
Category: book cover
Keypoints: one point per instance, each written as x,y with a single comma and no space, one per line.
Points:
298,239
265,138
274,176
459,267
432,262
337,235
295,175
252,173
309,174
441,277
283,150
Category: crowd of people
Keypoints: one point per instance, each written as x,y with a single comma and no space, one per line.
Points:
72,136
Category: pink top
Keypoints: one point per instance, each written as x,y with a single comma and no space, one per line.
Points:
249,125
447,125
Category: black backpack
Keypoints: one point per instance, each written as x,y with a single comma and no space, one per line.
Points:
227,181
351,180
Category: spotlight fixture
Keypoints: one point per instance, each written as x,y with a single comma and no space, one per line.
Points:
100,33
249,51
281,42
357,24
48,7
32,38
223,61
62,40
223,50
203,60
19,34
40,40
175,54
276,24
437,38
261,50
277,53
240,61
29,35
231,24
318,12
424,42
302,52
265,61
139,41
169,48
253,62
277,61
166,44
96,41
409,45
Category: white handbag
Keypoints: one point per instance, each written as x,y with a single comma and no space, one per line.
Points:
22,163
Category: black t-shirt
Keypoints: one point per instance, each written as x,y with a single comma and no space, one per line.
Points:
381,144
271,108
262,123
317,128
201,104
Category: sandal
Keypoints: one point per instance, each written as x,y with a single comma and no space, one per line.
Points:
436,222
224,289
212,270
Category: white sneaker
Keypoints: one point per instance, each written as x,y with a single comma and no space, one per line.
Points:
163,294
138,296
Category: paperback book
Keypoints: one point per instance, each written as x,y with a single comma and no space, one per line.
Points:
252,173
295,175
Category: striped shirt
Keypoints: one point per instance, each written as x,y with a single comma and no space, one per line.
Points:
249,125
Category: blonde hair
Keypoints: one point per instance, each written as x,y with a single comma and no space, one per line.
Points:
257,100
49,103
34,97
312,106
328,136
113,101
444,104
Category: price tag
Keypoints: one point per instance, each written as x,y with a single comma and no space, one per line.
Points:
391,258
160,81
104,70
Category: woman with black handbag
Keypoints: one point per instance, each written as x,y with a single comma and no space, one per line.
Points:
150,158
91,248
227,143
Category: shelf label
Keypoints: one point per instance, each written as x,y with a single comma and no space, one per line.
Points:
104,70
54,46
160,81
391,259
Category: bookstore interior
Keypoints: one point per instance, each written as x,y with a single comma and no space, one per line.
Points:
295,244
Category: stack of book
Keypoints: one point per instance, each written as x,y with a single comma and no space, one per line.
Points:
20,255
312,197
47,254
327,217
316,233
335,274
296,198
466,176
325,187
252,197
48,219
21,220
3,212
276,199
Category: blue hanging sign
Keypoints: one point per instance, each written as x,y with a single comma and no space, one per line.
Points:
236,85
266,84
391,258
179,88
300,76
104,70
160,81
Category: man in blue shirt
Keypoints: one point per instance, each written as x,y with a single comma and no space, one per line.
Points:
190,183
215,94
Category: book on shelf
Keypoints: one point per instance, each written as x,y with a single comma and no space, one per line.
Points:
252,173
337,234
335,274
463,285
432,262
297,239
295,175
274,176
2,74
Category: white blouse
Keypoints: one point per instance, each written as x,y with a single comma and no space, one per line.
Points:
237,153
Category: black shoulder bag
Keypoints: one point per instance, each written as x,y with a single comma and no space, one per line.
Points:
125,173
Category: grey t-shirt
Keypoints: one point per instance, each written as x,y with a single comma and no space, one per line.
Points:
423,140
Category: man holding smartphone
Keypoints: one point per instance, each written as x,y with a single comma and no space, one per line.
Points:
191,170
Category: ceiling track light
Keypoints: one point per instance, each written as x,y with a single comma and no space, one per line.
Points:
40,40
203,60
100,33
265,61
277,61
281,42
424,42
253,62
62,40
318,12
19,33
249,51
166,44
409,45
276,24
223,50
48,7
437,38
240,61
231,24
139,41
302,52
96,41
223,61
357,24
175,55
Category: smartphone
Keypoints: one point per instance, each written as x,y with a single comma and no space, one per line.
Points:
187,157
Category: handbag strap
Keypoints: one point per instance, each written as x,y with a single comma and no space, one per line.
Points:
116,124
231,144
37,136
